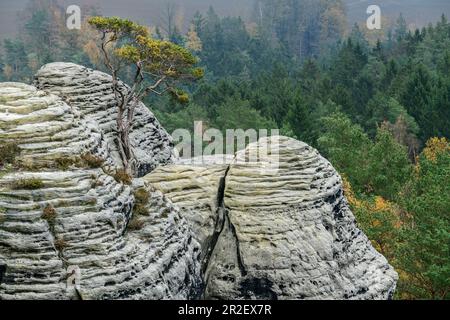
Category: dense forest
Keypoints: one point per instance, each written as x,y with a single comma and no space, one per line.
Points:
376,105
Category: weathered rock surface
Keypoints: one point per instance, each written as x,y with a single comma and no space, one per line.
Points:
293,234
77,217
196,191
237,230
91,92
281,232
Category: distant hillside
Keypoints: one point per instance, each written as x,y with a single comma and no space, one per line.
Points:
144,11
417,12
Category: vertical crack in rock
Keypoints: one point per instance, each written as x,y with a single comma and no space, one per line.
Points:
238,249
220,221
59,251
223,220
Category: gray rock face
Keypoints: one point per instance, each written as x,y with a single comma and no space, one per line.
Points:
218,231
195,190
91,92
289,234
277,233
75,219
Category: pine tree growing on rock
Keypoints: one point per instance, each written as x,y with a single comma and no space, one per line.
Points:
159,66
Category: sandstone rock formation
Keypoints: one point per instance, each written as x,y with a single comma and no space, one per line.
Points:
179,230
279,233
60,214
195,190
91,92
293,234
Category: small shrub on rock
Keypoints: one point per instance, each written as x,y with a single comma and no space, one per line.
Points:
141,197
92,161
8,153
64,163
122,176
49,214
60,244
135,224
27,184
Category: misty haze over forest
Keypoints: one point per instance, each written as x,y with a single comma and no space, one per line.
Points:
417,12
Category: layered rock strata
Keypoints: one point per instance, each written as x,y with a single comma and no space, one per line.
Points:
276,232
91,92
65,217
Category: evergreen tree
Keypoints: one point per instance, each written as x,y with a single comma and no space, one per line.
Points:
401,28
423,252
347,147
15,60
418,101
389,167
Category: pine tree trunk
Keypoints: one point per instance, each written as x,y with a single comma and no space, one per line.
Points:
123,141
